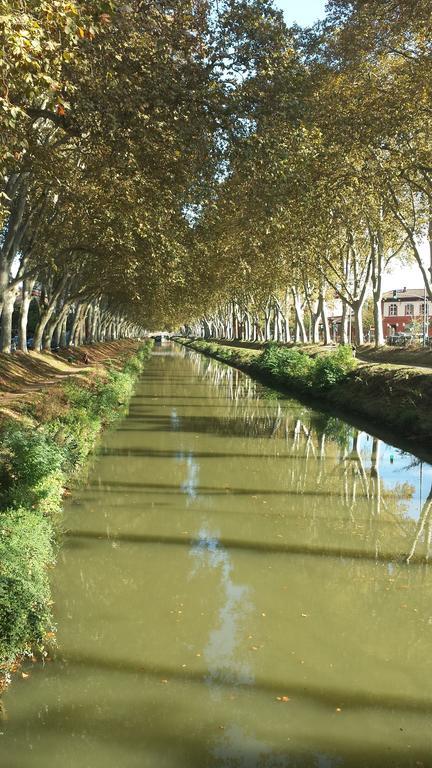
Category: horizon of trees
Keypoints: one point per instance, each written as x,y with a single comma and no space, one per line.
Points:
198,163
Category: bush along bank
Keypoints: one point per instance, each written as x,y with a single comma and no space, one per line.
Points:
391,397
40,455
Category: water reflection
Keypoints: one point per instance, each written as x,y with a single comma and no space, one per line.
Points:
244,584
190,485
378,484
222,655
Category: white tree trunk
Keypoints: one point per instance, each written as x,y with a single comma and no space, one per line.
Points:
9,298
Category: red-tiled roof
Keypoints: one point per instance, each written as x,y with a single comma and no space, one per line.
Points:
408,293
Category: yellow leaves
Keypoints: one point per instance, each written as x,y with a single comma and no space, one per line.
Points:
283,699
71,8
81,32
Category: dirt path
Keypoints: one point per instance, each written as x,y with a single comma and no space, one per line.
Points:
414,357
24,374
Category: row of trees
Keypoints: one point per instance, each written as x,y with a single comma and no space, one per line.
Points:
331,181
107,134
197,162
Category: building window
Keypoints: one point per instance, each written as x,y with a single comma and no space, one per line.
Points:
422,309
409,309
393,310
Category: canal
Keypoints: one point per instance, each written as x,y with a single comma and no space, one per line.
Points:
243,583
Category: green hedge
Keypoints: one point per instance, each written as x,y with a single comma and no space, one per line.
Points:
37,462
289,366
295,368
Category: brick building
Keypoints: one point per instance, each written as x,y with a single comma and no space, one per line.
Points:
403,307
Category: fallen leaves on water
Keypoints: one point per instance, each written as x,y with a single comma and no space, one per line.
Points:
164,681
25,675
283,698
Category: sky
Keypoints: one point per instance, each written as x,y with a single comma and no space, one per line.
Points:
305,13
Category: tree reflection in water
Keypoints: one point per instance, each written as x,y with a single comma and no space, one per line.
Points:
342,460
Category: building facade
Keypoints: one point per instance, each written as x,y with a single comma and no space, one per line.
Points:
407,310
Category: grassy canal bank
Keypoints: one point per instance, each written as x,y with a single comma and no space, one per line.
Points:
46,439
392,397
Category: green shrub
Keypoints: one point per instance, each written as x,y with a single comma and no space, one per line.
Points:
333,368
35,465
25,552
290,366
29,457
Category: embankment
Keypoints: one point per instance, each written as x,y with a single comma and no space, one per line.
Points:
394,399
46,437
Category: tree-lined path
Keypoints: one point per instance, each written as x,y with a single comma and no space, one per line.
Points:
198,163
241,581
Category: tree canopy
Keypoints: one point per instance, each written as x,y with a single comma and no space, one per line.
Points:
198,163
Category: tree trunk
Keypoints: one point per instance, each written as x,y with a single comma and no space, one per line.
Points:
325,322
4,280
39,332
277,322
27,288
267,324
63,333
207,328
315,322
358,319
95,324
9,298
345,333
300,330
75,324
377,270
54,326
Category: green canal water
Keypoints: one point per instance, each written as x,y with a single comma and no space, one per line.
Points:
243,584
